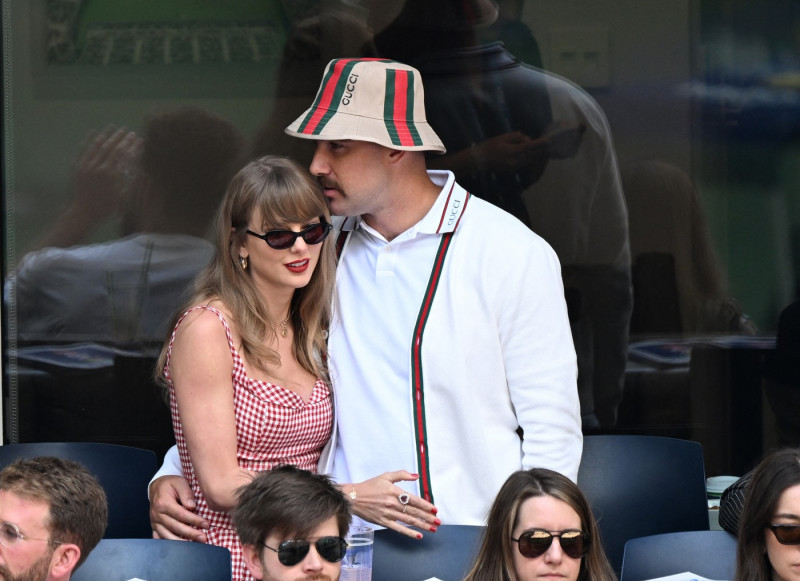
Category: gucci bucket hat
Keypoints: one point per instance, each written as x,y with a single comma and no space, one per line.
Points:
375,100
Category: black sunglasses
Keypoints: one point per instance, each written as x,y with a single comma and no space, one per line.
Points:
534,543
290,553
786,534
283,239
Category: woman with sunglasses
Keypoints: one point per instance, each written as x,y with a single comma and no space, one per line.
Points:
540,526
769,526
245,364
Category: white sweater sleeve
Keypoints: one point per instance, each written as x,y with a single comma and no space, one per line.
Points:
170,467
541,367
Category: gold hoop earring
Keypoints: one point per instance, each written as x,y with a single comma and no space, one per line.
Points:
243,262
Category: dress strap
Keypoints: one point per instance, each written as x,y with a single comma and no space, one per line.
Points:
234,353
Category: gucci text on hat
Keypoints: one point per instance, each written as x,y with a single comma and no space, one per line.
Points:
375,100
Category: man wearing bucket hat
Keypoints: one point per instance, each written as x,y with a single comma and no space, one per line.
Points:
451,335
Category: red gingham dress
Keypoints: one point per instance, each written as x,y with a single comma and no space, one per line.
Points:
274,426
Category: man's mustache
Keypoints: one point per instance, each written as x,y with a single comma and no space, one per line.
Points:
328,184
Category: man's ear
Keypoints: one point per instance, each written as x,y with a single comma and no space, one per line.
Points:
64,559
396,155
252,558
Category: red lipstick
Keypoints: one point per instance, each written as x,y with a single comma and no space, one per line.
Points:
298,266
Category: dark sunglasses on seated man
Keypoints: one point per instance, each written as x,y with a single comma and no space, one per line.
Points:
290,553
283,239
535,542
786,534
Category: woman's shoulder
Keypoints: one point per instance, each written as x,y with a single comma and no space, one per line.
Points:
209,317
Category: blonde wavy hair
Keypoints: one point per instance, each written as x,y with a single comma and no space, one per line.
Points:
284,193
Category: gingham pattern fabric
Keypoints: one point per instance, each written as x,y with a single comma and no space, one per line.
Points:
274,426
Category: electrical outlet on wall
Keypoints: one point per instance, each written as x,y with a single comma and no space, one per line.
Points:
581,54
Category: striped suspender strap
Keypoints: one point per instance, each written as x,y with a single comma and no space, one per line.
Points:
417,375
417,384
340,241
416,370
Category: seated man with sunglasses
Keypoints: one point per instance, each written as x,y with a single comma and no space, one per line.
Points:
53,512
292,525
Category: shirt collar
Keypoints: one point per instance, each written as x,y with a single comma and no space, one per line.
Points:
444,215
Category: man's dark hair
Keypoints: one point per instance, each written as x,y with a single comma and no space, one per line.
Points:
288,502
78,506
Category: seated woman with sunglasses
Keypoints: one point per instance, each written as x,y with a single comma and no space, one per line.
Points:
769,526
540,524
245,362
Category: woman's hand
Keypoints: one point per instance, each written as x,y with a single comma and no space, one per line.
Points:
378,501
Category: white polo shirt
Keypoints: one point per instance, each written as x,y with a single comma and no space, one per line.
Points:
495,353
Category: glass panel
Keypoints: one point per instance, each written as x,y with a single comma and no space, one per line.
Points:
652,144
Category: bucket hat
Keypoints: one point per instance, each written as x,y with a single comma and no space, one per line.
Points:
375,100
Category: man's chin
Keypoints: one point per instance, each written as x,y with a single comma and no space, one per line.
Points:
336,208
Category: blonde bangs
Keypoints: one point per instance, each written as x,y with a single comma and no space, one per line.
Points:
290,199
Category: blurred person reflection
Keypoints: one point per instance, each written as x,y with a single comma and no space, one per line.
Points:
782,376
513,33
164,187
672,247
320,32
781,373
539,147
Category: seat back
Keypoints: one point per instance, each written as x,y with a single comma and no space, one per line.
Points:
642,485
446,554
155,560
709,554
123,471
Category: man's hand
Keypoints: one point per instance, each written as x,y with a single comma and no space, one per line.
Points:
102,184
171,511
563,140
378,501
509,152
